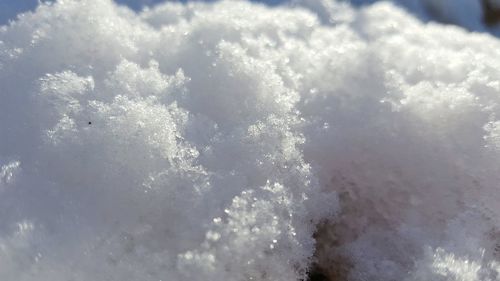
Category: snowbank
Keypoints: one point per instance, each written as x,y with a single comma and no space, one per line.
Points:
233,141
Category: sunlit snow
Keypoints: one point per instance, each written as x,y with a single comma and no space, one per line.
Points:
235,141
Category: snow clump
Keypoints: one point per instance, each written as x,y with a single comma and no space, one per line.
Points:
233,141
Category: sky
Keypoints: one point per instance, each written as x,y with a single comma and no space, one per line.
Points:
10,8
460,12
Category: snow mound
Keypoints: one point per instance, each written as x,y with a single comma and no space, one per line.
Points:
233,141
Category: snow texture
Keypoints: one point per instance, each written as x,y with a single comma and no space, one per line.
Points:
233,141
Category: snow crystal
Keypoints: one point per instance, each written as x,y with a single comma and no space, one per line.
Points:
233,141
8,172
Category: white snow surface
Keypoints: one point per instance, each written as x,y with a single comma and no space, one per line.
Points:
211,141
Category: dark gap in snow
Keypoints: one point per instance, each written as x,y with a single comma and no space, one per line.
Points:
328,265
317,274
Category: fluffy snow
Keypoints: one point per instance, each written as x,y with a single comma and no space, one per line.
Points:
233,141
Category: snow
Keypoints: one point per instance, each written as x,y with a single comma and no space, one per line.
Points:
234,141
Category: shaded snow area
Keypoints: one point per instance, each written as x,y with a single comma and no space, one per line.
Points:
233,141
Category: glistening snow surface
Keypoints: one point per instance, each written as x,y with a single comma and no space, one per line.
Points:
233,141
